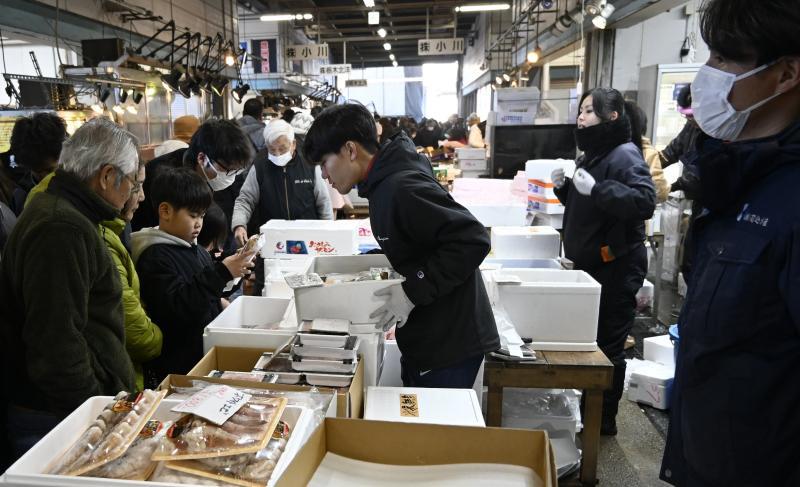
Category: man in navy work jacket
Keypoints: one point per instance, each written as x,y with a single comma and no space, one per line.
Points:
444,320
734,414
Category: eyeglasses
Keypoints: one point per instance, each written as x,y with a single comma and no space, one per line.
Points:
225,170
136,185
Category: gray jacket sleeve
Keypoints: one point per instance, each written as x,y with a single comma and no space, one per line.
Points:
246,201
324,206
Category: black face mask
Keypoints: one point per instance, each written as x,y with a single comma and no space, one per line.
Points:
598,140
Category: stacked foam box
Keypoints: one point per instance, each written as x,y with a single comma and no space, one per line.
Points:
541,194
471,159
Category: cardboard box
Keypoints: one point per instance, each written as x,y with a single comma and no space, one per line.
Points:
525,243
660,349
558,309
353,301
28,470
291,238
651,384
458,407
421,444
349,401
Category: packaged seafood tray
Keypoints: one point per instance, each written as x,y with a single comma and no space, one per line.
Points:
304,349
322,340
31,469
281,367
301,364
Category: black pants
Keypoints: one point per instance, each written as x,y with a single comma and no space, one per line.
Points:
459,376
621,280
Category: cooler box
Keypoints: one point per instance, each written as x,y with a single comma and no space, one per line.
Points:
353,301
495,264
541,192
276,269
652,385
458,407
234,326
491,201
291,238
660,349
557,309
525,243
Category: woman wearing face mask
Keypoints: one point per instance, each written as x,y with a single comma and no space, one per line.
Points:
219,151
607,201
280,186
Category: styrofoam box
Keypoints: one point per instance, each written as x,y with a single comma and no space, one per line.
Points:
493,215
661,350
651,384
549,207
371,348
517,414
496,264
558,309
525,242
542,169
459,407
28,469
291,238
353,301
551,220
470,153
472,164
231,328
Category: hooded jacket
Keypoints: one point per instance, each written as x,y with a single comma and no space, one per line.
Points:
181,290
143,339
437,245
254,130
733,417
61,313
609,222
146,215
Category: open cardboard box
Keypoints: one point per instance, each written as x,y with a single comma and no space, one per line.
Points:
421,444
349,402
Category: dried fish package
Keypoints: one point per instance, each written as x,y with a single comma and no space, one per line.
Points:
136,463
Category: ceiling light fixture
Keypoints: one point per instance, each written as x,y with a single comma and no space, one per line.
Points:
593,7
394,63
382,32
276,17
373,18
369,3
391,56
104,94
137,96
387,46
506,77
307,16
534,56
239,92
123,96
230,58
218,86
170,81
498,79
484,7
601,20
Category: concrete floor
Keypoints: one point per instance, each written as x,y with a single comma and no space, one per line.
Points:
633,457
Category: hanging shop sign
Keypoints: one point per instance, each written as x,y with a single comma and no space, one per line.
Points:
355,83
440,47
335,69
305,52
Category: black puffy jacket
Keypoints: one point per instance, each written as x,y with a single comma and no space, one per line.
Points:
438,246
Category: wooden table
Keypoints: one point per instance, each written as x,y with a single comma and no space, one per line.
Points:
590,371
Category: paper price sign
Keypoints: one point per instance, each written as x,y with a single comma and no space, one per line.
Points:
215,403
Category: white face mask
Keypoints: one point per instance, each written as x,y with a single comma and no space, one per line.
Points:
712,110
280,160
221,181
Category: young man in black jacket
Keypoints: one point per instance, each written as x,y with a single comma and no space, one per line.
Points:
181,285
444,320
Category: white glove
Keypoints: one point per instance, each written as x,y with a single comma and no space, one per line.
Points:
558,177
396,308
583,181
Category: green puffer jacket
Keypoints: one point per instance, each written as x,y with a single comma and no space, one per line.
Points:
143,338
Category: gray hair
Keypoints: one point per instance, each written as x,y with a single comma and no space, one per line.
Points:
96,143
473,116
275,129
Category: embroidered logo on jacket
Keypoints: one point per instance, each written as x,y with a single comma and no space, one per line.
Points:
744,216
303,181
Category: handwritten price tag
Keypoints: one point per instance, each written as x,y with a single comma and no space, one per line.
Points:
215,403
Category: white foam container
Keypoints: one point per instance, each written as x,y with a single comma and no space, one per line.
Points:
301,238
436,406
557,309
352,301
276,287
651,384
526,242
660,349
495,264
231,327
27,471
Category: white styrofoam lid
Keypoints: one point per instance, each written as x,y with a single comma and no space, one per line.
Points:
525,231
654,371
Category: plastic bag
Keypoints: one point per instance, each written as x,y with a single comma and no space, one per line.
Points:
111,433
135,464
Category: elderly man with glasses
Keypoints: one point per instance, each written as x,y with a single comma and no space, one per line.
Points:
61,314
219,151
